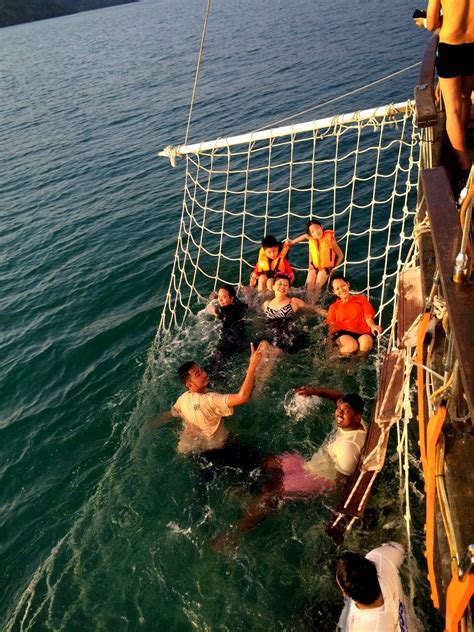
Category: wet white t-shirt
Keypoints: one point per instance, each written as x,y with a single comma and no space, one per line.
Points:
392,615
340,453
202,414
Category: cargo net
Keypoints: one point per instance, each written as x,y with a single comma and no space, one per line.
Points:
355,173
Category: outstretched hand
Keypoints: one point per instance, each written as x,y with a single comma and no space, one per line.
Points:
256,355
305,391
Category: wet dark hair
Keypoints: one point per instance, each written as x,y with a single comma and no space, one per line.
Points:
280,275
183,371
310,223
355,401
229,289
269,241
358,577
336,277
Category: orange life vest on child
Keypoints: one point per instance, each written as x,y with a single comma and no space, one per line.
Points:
264,264
322,252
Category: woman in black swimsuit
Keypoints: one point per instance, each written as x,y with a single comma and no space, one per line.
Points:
231,311
282,332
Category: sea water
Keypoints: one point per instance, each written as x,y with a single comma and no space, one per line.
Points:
102,525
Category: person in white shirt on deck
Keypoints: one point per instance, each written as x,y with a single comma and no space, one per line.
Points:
371,585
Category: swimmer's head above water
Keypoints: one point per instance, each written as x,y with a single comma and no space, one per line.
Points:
349,409
226,295
193,376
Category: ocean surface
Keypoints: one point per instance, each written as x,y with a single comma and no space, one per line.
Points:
102,526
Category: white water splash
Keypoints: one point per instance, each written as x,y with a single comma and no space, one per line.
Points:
298,406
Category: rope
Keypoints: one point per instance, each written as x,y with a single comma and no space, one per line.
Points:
198,66
342,96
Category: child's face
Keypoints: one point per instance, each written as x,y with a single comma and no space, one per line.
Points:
224,298
340,288
272,253
315,231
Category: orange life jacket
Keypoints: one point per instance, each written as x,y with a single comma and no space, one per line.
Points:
264,263
322,252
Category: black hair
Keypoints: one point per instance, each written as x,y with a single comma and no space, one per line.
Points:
355,401
269,241
281,275
229,289
336,277
357,577
310,223
183,371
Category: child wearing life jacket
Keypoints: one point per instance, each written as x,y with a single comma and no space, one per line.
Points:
271,260
324,256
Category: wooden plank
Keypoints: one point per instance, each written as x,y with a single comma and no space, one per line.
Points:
427,263
410,305
386,411
459,479
459,297
426,115
389,397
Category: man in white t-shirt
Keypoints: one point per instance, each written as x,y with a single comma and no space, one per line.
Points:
202,411
291,476
371,585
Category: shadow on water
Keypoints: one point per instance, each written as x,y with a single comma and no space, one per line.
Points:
137,555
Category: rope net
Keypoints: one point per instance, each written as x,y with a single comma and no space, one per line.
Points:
355,173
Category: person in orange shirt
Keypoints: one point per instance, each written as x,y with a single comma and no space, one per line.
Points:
324,256
351,319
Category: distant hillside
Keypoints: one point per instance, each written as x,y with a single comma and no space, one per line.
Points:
18,11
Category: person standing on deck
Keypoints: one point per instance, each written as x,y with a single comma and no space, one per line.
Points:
455,65
371,586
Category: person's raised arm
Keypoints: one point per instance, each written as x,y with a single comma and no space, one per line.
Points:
243,396
297,240
212,307
433,15
327,393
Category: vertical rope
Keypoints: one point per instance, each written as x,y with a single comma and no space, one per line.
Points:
198,66
220,251
290,184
